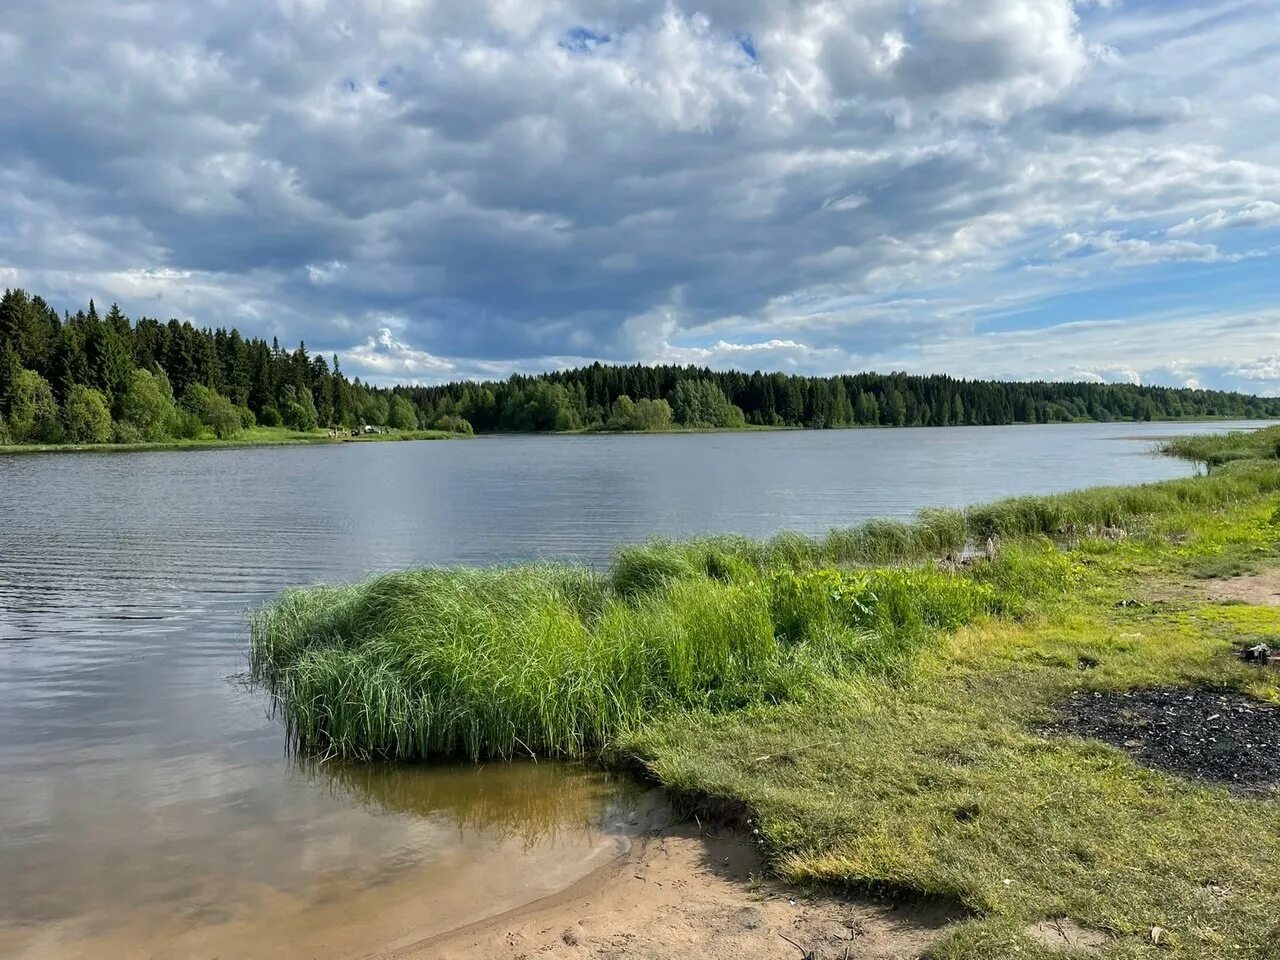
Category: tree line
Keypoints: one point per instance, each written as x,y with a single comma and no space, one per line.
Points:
93,378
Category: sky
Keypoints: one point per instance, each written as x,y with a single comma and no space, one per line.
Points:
442,190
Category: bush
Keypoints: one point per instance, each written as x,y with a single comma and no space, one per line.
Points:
271,417
298,409
402,415
247,420
200,400
642,415
125,432
5,435
148,404
454,424
701,403
86,416
33,412
185,425
224,419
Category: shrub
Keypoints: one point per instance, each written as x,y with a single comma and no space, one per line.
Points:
223,417
125,432
626,414
33,412
148,404
185,425
271,417
454,424
200,400
402,414
86,416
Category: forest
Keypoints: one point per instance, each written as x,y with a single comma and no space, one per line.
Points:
89,377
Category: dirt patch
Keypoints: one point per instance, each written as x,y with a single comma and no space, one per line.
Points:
1063,933
690,893
1262,589
1213,735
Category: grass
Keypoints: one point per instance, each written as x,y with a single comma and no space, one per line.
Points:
940,783
1213,450
553,660
880,716
252,437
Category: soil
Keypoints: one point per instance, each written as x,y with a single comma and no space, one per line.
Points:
689,893
1065,934
1218,736
1262,589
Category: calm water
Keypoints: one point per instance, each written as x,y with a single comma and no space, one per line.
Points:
145,794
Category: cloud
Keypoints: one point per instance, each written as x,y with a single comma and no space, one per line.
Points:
1260,213
435,189
1135,250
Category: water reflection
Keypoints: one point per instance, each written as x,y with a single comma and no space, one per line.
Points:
536,803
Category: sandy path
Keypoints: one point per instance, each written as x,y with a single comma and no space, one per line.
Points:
1261,588
687,893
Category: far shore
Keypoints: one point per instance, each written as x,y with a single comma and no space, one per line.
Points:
284,437
258,437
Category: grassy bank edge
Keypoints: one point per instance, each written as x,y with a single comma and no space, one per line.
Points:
258,437
280,437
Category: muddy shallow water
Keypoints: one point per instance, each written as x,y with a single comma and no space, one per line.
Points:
390,855
147,803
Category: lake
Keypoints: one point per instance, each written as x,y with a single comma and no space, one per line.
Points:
148,805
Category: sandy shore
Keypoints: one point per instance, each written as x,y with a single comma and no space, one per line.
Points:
689,892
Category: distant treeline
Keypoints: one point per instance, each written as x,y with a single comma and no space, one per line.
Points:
91,378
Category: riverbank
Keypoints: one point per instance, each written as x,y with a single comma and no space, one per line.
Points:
1218,452
252,437
896,728
887,721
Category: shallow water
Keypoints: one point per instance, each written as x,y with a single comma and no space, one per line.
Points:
147,805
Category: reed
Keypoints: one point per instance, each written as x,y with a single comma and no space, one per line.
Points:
547,660
1213,450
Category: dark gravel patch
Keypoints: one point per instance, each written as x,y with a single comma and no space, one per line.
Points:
1218,736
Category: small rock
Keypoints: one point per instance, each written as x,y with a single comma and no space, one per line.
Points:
570,937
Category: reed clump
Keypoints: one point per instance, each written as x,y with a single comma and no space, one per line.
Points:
1214,450
554,660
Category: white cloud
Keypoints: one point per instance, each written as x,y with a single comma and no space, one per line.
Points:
386,358
814,185
1260,213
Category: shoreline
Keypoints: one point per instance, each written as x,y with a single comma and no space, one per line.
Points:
290,439
1013,775
688,891
293,439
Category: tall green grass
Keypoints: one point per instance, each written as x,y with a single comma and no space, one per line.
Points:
561,660
1215,449
550,660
